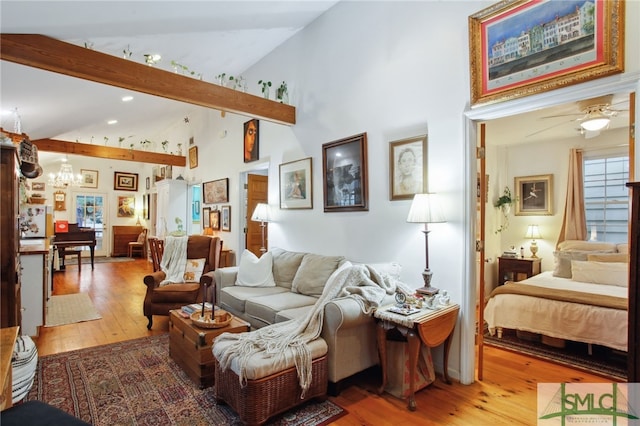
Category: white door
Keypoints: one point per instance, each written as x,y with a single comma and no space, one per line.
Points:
89,210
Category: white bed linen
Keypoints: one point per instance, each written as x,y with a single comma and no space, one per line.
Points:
564,320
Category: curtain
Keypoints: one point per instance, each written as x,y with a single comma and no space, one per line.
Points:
574,222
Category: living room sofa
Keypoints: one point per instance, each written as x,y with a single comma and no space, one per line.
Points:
299,280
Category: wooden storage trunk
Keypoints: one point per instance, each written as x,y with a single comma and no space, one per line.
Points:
190,346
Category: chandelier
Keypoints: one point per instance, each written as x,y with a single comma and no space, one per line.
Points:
64,177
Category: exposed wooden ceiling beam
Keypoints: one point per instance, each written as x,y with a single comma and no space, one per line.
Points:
88,150
49,54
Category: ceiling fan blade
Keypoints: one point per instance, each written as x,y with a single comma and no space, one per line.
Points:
579,114
547,128
588,134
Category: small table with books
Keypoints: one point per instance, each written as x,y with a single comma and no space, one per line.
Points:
190,345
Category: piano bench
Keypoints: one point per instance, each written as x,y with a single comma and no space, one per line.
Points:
74,253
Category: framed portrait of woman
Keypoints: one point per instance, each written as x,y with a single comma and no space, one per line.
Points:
251,141
407,168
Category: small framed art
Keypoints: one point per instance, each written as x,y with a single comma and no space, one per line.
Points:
126,206
214,220
408,167
225,224
206,217
296,185
37,186
89,178
344,172
534,195
193,157
251,141
125,181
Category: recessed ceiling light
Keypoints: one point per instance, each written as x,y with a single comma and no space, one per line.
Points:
112,121
127,98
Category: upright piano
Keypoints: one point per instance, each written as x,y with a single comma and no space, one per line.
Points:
76,236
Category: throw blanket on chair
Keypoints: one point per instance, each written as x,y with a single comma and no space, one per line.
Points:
174,259
361,282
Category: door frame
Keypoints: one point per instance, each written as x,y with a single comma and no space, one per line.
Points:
621,83
259,169
106,235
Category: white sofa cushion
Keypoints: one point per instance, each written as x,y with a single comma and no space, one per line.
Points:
265,308
235,297
313,273
254,271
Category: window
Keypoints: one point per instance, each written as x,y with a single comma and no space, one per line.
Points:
606,197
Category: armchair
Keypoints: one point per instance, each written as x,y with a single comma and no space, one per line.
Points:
160,300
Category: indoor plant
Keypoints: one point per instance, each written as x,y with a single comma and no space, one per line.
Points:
504,203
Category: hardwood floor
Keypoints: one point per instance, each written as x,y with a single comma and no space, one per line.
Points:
507,395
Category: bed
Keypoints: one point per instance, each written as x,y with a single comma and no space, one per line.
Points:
584,299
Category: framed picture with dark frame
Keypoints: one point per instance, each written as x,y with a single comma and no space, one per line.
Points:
407,168
251,141
206,217
214,220
89,178
125,181
296,184
344,172
559,43
534,195
225,221
216,191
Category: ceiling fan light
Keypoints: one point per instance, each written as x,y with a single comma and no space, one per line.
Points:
595,124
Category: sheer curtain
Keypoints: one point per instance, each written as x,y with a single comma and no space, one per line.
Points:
574,222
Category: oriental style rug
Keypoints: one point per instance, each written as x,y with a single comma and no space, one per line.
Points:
136,383
70,309
602,361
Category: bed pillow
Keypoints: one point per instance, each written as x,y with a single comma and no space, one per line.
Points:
577,245
608,257
254,271
562,262
609,273
193,270
623,248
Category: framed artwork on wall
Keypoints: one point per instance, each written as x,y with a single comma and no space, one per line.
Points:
521,47
89,178
59,201
225,223
216,191
126,206
534,195
407,168
193,157
206,217
251,141
296,184
214,220
37,186
344,172
125,181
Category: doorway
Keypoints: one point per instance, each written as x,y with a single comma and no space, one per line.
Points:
256,233
89,211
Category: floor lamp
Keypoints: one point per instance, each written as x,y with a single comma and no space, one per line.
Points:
425,208
261,214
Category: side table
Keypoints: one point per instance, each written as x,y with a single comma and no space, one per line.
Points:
517,269
429,327
190,346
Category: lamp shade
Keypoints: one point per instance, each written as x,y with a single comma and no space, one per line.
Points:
261,213
595,121
533,232
425,208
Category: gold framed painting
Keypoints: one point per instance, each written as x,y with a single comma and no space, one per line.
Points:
534,195
523,47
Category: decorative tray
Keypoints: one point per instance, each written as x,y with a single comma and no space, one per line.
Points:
221,319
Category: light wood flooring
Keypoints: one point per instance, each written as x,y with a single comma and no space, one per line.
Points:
507,395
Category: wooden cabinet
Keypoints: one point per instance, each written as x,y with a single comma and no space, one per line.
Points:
9,239
633,351
122,236
171,205
517,269
35,282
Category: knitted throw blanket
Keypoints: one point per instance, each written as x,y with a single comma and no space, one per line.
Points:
361,282
174,259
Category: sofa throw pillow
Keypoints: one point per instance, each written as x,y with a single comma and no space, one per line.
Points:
193,270
609,273
313,273
562,262
608,257
285,265
254,271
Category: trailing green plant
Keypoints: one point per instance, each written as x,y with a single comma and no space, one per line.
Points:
505,198
185,69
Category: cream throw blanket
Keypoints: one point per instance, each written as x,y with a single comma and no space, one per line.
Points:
174,259
361,282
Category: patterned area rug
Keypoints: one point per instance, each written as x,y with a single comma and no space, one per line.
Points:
136,383
602,361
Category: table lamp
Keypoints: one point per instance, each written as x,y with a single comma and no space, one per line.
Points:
261,214
532,233
425,208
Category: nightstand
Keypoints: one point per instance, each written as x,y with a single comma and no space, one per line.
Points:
517,269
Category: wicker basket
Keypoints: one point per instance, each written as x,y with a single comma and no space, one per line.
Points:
221,319
263,398
37,200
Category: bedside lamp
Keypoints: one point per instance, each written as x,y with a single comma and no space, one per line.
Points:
425,208
261,214
532,233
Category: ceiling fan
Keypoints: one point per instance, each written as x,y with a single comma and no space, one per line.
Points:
594,116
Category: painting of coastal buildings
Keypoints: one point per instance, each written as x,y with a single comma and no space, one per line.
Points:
536,42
